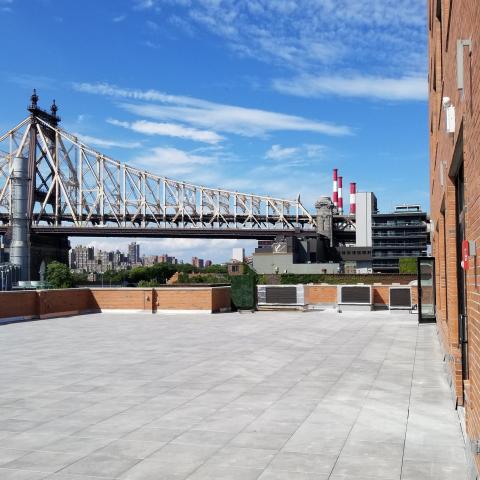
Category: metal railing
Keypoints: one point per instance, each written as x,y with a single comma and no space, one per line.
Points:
9,276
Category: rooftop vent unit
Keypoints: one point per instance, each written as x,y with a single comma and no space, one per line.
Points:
400,298
354,297
280,296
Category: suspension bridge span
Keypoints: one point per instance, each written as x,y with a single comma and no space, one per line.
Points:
53,185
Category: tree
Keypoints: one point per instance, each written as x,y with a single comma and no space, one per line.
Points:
79,279
59,275
408,265
215,268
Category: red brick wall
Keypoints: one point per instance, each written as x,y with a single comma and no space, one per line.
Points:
18,304
381,295
327,294
462,22
122,298
221,299
318,294
63,302
48,303
184,299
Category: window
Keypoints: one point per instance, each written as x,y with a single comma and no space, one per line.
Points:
448,24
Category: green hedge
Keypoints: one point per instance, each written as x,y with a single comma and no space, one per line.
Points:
408,265
344,279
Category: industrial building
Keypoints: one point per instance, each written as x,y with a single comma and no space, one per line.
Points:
454,123
362,241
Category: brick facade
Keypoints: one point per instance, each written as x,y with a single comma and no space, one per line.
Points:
449,22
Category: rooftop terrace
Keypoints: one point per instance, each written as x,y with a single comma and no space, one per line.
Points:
268,396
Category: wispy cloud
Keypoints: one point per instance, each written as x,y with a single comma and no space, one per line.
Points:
172,162
218,117
277,152
310,35
287,158
169,130
6,6
119,18
303,152
106,143
402,88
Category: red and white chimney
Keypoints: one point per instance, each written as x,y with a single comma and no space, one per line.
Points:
335,187
340,195
353,198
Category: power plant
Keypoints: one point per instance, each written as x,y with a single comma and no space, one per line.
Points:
364,241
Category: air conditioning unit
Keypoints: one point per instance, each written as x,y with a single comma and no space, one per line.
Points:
280,296
354,297
400,298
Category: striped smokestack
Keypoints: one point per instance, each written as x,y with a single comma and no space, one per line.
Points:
353,198
340,195
335,187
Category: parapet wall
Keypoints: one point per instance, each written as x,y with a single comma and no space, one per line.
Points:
209,299
26,305
327,294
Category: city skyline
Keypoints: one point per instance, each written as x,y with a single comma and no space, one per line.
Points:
89,258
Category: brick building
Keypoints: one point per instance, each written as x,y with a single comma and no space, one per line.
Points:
454,124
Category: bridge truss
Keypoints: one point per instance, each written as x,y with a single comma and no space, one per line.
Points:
74,188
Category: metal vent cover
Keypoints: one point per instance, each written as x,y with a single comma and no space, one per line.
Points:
355,294
400,297
280,295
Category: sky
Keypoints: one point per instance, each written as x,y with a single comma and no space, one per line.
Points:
263,96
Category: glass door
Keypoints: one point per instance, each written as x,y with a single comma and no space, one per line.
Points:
426,289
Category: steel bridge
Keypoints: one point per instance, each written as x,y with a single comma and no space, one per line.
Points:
51,183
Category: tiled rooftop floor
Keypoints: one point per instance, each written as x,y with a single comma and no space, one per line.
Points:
297,396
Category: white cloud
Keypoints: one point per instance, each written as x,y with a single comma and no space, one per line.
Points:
277,152
172,162
247,122
294,157
403,88
119,18
105,143
169,130
216,116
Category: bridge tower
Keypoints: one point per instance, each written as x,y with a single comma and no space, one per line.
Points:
26,250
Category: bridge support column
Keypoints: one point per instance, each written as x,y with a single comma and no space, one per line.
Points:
47,248
20,244
324,208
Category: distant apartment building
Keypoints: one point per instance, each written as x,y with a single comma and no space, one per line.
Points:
86,259
403,233
197,262
165,258
454,126
82,258
208,263
134,253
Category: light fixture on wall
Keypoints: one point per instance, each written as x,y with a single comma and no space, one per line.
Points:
449,109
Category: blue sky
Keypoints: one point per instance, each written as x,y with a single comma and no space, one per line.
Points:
255,95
